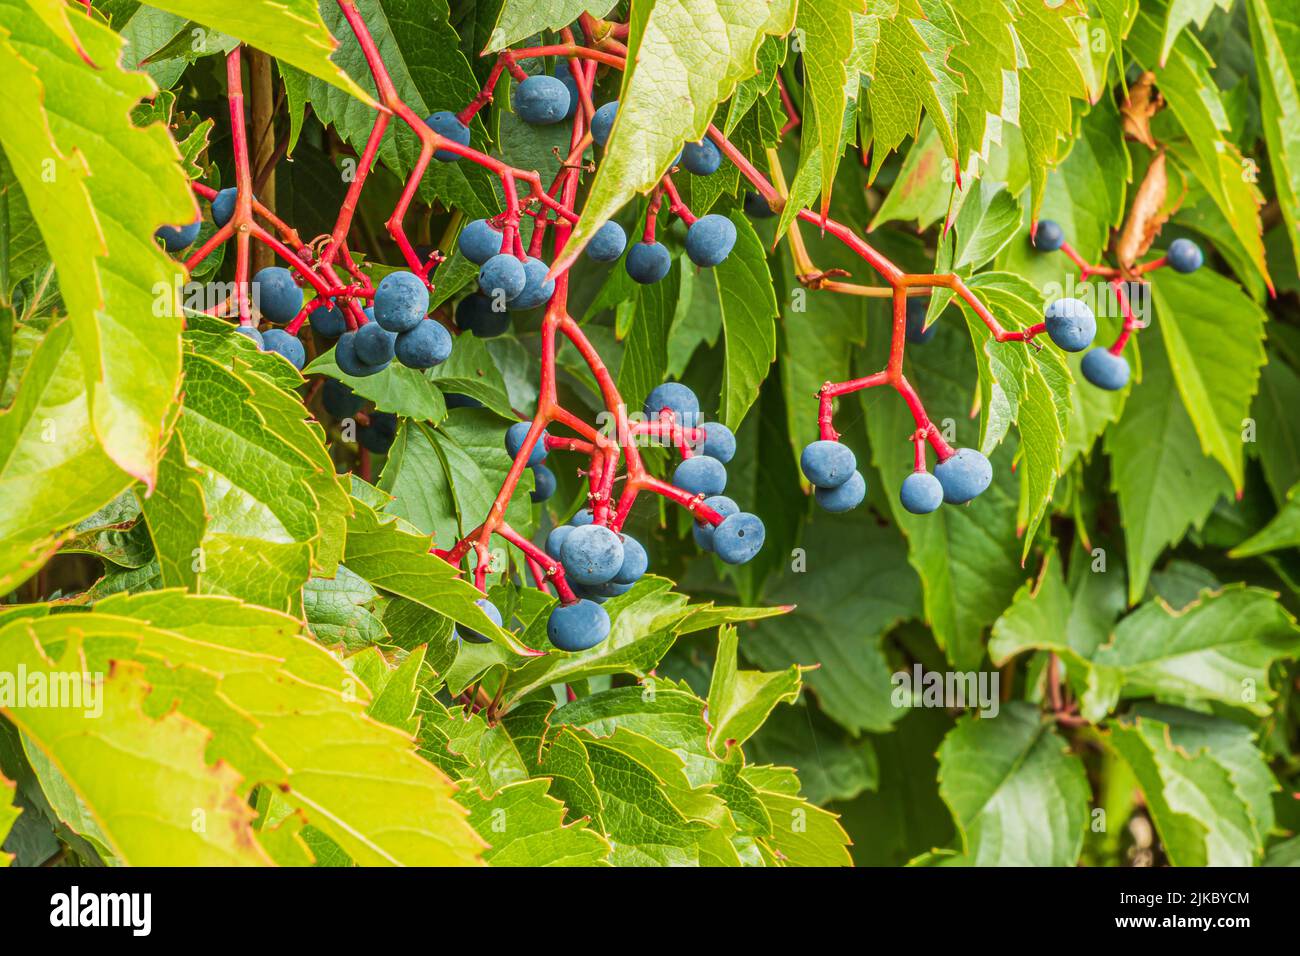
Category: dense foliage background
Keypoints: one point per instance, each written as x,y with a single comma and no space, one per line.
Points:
184,528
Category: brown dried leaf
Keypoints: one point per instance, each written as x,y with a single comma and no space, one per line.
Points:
1144,101
1147,215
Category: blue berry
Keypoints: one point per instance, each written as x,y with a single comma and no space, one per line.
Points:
282,343
349,363
719,442
917,333
608,243
555,540
675,397
379,434
583,517
426,345
635,562
1049,236
456,400
223,205
479,241
276,295
963,475
503,275
828,464
445,124
843,497
374,344
543,484
648,262
756,207
710,239
401,300
1184,256
251,332
1070,323
541,100
577,627
591,554
465,633
702,530
515,436
537,288
475,314
339,400
565,76
602,122
921,493
328,320
738,538
702,158
701,475
176,238
1105,370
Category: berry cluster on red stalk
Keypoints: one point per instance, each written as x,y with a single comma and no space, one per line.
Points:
590,559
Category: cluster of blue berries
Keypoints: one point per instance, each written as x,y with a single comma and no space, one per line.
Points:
179,238
838,486
1104,367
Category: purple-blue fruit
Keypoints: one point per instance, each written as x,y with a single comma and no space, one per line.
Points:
327,320
602,122
502,277
635,562
339,399
648,262
591,554
541,100
282,343
1070,323
756,207
710,239
223,205
1184,256
1105,370
921,493
701,475
843,497
349,363
917,333
176,238
608,243
739,538
479,241
1049,236
374,344
702,531
401,300
702,158
565,76
515,436
675,397
578,626
963,475
276,295
828,464
378,436
543,484
426,345
474,313
555,540
537,288
719,442
446,125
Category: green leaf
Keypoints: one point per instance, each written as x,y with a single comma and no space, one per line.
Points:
1214,335
1275,42
8,815
403,391
687,56
1283,531
748,304
645,359
290,30
739,701
52,471
1200,816
247,500
1183,12
524,826
1216,649
839,625
521,19
988,219
1163,482
1048,83
1187,84
802,835
393,559
337,613
422,54
1018,796
101,207
141,778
